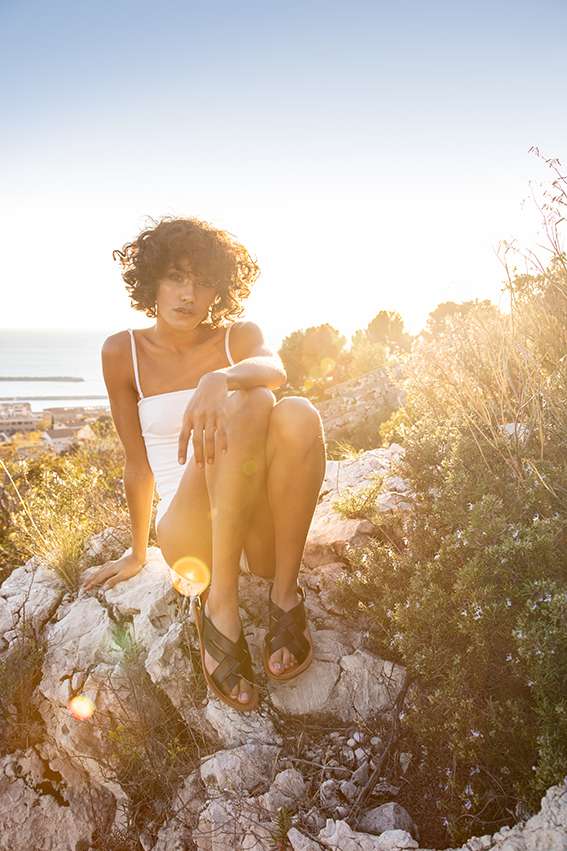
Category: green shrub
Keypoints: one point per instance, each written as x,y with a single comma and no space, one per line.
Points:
472,595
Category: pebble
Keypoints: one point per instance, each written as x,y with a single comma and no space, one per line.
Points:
348,789
360,754
358,736
342,812
361,775
347,756
351,743
328,794
376,741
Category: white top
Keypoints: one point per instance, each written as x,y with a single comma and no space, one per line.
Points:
160,417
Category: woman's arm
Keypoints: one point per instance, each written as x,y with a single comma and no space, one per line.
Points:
138,476
256,365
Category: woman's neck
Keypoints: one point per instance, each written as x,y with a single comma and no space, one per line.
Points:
178,339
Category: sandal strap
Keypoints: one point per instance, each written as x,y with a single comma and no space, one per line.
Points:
233,656
287,628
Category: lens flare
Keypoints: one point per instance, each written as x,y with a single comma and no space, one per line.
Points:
81,707
190,576
327,366
249,467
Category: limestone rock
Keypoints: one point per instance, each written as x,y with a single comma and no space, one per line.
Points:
39,810
300,842
31,593
286,790
390,816
239,769
330,532
337,834
237,728
177,832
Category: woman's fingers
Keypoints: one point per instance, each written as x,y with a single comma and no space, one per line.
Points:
184,436
221,437
208,435
198,442
100,576
210,442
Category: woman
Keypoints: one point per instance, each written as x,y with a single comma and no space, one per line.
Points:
236,472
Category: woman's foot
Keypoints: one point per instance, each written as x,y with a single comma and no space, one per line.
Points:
227,620
283,660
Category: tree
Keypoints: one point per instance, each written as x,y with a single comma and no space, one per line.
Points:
311,353
439,319
387,328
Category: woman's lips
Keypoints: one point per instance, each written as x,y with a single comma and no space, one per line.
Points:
185,310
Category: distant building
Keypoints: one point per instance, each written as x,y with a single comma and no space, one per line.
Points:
19,417
62,438
70,416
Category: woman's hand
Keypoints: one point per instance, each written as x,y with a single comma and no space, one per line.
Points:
114,571
205,420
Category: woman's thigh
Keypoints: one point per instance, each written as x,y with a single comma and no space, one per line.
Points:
185,528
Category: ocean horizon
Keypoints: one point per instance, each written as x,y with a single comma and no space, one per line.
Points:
52,367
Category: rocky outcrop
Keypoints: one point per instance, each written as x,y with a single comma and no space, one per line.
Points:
330,532
243,779
350,404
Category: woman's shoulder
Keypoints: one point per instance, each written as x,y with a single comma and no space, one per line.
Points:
119,344
245,336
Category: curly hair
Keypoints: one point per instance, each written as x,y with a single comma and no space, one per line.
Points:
217,258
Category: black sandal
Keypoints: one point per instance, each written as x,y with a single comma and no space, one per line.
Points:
286,629
233,658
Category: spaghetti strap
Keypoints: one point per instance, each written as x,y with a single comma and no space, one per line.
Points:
226,345
135,362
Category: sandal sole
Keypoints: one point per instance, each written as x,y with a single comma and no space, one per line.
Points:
289,675
234,704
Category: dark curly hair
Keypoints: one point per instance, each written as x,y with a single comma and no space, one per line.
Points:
217,258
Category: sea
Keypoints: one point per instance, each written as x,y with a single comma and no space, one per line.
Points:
52,368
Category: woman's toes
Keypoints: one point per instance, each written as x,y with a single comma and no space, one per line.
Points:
244,692
276,662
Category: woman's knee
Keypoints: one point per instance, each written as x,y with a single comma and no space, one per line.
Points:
251,408
295,418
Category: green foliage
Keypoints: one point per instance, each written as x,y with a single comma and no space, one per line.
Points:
360,503
472,595
20,671
281,824
439,320
365,355
387,328
338,450
51,504
147,747
311,354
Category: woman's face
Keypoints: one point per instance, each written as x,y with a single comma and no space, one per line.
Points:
182,299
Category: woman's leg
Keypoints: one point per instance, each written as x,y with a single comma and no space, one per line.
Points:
295,451
211,511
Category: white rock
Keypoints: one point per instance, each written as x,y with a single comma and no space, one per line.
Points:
300,842
287,789
239,769
238,728
176,834
390,816
38,810
337,834
31,593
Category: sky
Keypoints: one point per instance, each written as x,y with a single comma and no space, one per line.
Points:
370,155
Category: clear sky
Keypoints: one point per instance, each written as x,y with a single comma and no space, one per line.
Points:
370,154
